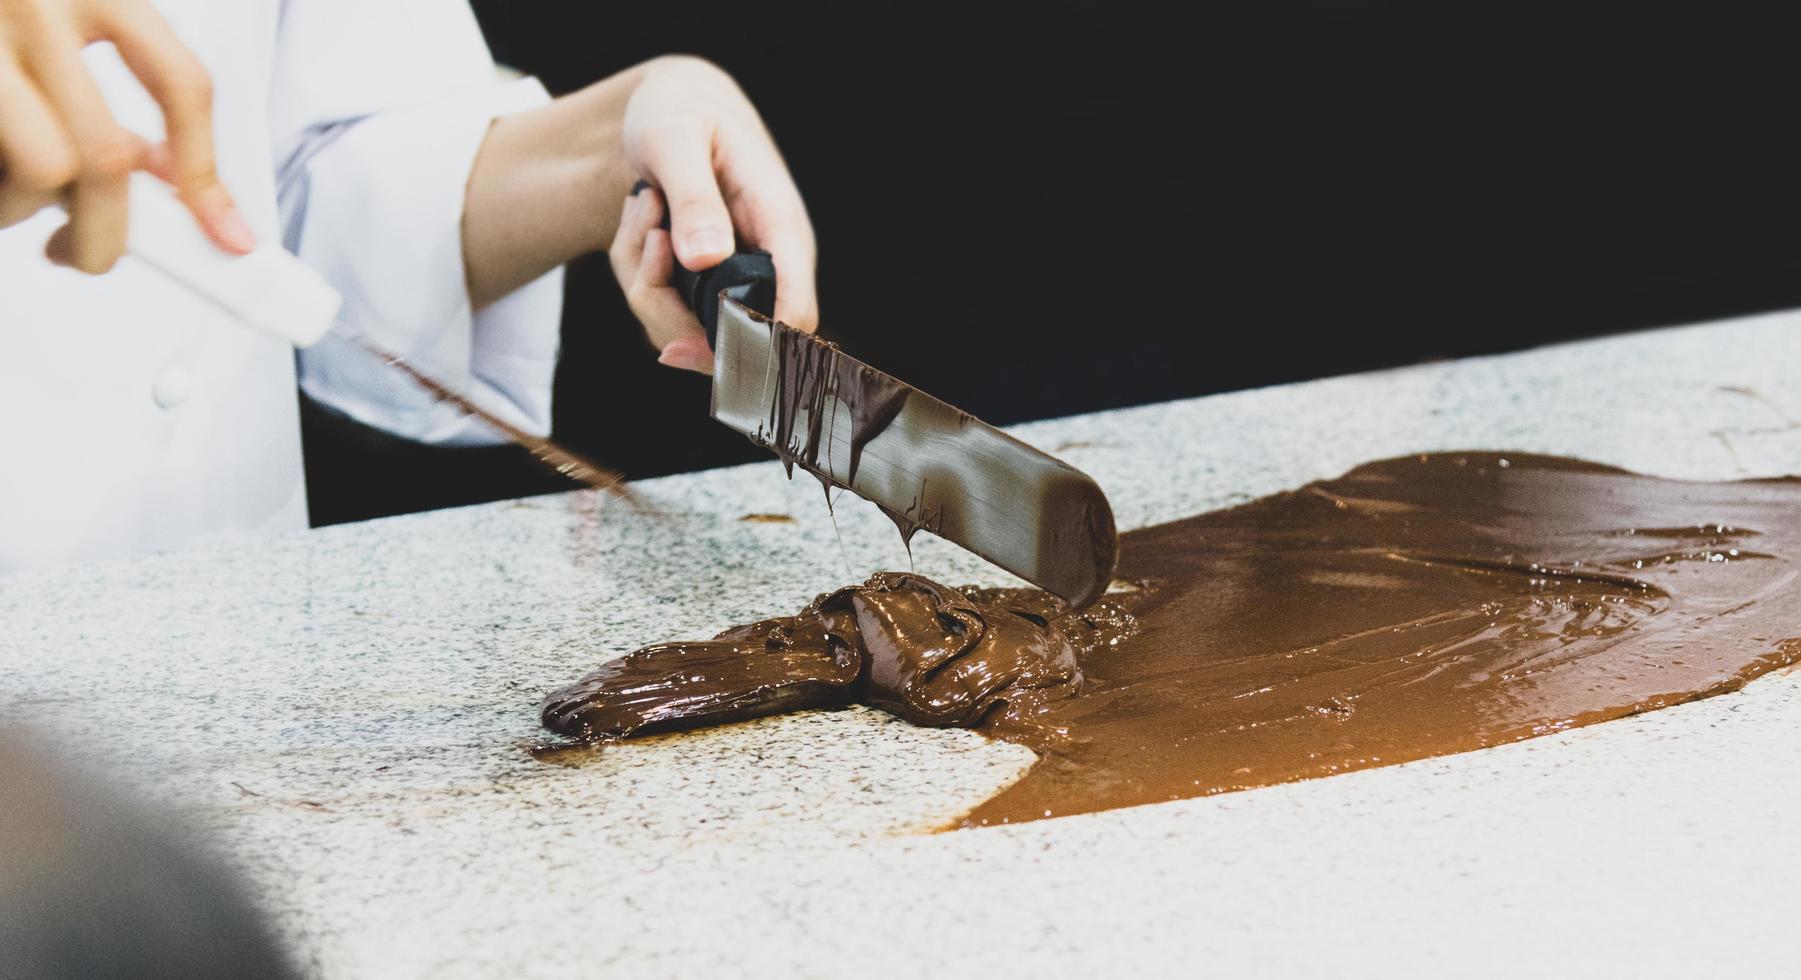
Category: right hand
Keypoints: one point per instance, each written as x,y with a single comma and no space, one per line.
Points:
691,132
59,143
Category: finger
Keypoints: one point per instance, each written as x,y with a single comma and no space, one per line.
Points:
667,320
157,163
99,207
688,354
643,261
680,160
105,153
796,290
642,211
181,86
58,248
655,302
37,159
774,219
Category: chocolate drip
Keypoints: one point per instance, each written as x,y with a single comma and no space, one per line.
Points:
1411,608
928,465
915,518
803,375
874,400
816,376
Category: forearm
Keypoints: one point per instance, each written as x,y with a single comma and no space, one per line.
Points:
547,186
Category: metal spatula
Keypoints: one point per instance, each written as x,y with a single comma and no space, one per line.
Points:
928,465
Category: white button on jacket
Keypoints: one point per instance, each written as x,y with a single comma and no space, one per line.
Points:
134,415
171,388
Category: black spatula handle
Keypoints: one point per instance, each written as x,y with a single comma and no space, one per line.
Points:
746,276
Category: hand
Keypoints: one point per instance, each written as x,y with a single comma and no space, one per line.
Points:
553,183
58,141
643,261
691,132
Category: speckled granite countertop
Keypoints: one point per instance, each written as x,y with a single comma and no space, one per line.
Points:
342,712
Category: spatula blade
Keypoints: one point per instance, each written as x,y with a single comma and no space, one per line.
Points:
932,467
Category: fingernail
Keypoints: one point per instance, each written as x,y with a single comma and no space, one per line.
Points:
234,230
639,186
709,241
685,357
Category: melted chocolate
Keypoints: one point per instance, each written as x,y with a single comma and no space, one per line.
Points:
1411,608
927,653
874,399
802,379
927,465
812,375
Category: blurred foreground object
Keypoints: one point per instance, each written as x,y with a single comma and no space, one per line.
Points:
92,886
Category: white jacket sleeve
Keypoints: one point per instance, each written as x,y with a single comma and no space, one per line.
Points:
378,109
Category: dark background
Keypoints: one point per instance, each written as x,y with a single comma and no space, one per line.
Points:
1036,210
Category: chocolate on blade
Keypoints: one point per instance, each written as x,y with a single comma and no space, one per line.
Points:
927,465
816,376
1411,608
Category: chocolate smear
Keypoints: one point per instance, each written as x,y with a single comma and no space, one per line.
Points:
1412,608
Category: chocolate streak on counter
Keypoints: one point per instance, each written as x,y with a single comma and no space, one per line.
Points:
1412,608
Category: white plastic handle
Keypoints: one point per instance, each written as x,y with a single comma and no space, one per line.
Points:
269,289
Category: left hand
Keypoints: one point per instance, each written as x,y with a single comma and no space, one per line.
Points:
692,133
59,142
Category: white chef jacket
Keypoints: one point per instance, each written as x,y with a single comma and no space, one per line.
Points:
134,415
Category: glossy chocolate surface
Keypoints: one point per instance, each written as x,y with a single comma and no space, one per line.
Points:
1414,607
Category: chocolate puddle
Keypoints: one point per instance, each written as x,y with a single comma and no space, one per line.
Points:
1412,608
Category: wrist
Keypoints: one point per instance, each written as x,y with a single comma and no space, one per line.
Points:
606,171
547,186
594,172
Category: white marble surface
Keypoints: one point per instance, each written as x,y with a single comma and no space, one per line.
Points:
342,713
